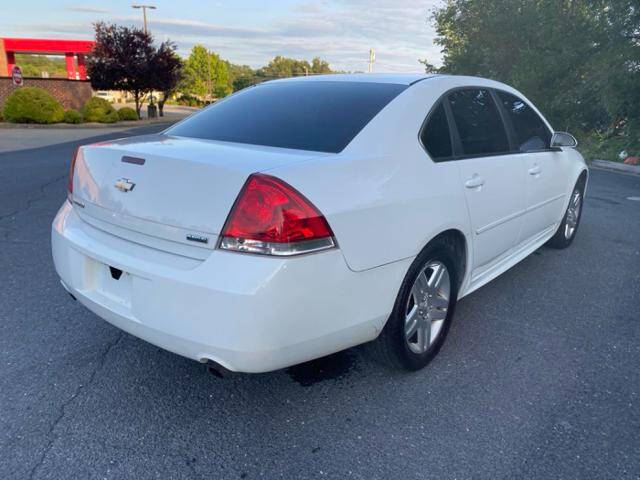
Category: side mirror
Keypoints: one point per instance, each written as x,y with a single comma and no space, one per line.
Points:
563,139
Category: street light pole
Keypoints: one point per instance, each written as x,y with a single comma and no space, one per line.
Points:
144,13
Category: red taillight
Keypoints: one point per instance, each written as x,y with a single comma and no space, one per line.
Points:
72,167
271,217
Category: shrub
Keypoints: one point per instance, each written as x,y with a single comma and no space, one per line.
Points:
126,113
72,116
99,110
110,117
189,100
32,105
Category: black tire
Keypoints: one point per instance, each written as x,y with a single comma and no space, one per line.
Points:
560,239
391,347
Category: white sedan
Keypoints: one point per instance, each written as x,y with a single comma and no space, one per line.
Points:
304,216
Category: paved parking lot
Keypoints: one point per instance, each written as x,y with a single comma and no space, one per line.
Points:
539,378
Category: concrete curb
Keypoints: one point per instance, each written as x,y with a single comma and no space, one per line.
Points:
616,166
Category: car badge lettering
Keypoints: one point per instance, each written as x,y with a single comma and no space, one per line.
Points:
197,238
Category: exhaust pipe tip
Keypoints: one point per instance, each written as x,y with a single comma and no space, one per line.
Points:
216,369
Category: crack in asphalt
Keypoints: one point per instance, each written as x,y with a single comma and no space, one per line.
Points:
74,395
41,195
31,201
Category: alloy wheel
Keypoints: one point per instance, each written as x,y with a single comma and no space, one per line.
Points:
427,306
573,214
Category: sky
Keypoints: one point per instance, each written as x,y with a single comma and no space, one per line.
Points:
251,32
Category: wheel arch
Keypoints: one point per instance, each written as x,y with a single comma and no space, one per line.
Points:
456,240
583,179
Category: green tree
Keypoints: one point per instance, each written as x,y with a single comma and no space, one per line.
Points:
205,74
578,60
320,66
282,67
240,76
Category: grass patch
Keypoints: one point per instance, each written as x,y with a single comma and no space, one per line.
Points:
594,146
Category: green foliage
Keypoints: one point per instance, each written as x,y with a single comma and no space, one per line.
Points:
189,100
205,74
240,76
577,60
110,117
126,113
281,67
320,66
32,105
99,110
243,81
34,65
72,116
607,146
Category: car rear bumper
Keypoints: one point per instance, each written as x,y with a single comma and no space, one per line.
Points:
245,312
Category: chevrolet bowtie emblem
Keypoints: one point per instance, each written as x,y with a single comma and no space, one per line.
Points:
124,185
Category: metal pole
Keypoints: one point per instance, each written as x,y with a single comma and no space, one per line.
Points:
144,13
144,16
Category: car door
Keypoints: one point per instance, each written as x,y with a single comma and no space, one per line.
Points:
493,178
545,168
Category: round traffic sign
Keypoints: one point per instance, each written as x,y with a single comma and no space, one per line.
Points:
16,75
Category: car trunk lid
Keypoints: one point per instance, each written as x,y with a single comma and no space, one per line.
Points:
171,193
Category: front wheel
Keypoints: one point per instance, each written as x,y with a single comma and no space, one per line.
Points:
569,226
422,313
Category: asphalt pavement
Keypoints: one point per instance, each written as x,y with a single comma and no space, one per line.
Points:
539,377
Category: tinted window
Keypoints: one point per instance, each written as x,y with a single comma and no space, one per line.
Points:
530,131
479,124
435,135
307,115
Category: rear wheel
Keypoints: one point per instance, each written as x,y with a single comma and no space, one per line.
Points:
423,311
569,226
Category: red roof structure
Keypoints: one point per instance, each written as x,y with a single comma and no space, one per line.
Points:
71,49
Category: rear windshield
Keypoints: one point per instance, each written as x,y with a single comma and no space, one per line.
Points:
321,116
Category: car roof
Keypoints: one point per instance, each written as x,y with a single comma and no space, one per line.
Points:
397,78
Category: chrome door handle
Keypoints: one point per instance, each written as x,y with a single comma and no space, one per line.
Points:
474,182
535,170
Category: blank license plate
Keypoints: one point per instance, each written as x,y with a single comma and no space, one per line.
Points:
119,290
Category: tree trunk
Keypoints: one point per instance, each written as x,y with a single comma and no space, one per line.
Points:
136,96
161,104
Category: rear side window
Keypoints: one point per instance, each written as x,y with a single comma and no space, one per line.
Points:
479,124
530,131
436,137
321,116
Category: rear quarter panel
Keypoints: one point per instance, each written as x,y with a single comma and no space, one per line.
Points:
383,196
